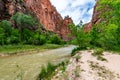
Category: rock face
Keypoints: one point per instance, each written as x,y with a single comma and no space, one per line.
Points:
10,7
49,17
95,17
42,9
88,27
96,14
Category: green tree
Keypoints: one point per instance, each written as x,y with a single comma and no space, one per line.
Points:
5,31
2,36
23,21
7,26
82,37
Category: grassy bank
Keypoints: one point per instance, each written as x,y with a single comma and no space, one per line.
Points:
14,49
48,71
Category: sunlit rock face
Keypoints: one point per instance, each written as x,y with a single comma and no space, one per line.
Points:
96,14
49,17
95,17
42,9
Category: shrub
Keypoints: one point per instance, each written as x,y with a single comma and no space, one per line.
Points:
42,73
101,58
46,72
55,39
75,50
77,58
2,36
23,21
98,52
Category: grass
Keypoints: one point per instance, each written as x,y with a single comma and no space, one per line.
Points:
77,58
101,58
14,49
98,52
48,71
75,50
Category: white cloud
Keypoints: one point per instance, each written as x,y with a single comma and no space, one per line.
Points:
76,9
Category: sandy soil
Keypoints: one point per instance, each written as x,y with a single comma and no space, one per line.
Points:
89,68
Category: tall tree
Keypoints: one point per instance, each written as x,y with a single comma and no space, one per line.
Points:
23,21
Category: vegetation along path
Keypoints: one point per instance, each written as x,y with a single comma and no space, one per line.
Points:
27,67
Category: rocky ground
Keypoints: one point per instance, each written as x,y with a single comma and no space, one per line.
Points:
85,66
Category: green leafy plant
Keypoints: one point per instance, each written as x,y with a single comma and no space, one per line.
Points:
75,50
23,21
98,52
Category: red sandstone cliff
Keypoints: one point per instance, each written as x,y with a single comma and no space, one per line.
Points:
43,10
49,17
10,7
95,17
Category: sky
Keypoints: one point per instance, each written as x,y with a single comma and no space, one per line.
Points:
76,9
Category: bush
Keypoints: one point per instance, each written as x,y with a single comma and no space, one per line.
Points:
98,52
101,58
55,39
75,50
77,58
2,36
46,72
23,21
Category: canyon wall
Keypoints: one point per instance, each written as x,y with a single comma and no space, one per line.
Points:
49,17
10,7
96,17
42,9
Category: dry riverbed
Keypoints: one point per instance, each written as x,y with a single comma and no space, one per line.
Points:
85,66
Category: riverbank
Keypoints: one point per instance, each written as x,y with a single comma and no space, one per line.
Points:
8,50
85,66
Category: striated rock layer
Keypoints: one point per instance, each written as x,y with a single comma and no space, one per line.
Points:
10,7
96,19
43,10
49,17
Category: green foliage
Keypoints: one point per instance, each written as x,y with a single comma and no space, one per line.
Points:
83,38
23,21
5,31
55,39
77,58
42,73
2,36
20,48
101,58
98,52
25,32
7,26
75,50
46,72
106,34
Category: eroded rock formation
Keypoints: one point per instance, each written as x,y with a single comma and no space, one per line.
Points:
10,7
49,17
42,9
95,17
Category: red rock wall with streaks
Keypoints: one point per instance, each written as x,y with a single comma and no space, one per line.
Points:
49,17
